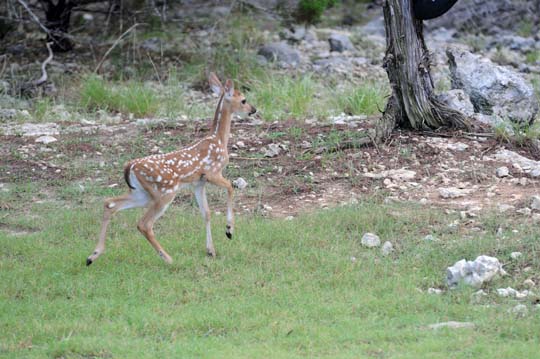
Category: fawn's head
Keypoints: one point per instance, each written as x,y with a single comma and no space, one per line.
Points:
233,97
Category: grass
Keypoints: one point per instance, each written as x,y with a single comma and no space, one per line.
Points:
132,97
366,99
279,289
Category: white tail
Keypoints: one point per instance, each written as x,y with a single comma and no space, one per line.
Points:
155,180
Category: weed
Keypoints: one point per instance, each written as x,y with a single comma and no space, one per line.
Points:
365,99
132,97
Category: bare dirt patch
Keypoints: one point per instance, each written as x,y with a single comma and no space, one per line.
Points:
317,165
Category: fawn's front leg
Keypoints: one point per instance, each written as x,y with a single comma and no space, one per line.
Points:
225,183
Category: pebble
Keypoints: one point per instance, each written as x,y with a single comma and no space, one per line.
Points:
370,240
387,248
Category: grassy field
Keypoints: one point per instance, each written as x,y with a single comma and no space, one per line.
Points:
278,289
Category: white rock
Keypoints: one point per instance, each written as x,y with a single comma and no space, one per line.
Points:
452,325
240,183
478,295
520,310
46,139
529,283
397,175
387,248
515,255
503,207
524,211
272,150
503,172
506,292
370,240
452,192
430,238
434,291
475,273
535,202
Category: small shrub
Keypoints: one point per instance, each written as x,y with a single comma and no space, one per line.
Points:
95,94
310,11
366,99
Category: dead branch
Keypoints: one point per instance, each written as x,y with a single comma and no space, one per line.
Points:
44,76
116,42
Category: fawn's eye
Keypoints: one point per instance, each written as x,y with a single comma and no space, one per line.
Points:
243,101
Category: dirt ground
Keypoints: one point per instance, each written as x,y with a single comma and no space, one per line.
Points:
319,165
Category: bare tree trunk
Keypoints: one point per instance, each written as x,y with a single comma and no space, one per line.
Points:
413,103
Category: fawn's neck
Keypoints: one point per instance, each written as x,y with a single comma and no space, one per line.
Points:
222,121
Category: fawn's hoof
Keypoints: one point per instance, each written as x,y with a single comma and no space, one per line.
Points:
88,261
211,253
228,232
167,258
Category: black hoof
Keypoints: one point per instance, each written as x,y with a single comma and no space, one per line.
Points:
88,261
228,234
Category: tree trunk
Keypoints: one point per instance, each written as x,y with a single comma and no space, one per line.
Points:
58,17
413,103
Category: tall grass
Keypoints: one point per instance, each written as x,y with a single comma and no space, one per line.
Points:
279,97
365,99
131,97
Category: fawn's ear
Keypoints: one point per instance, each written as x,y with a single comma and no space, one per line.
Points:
229,88
215,84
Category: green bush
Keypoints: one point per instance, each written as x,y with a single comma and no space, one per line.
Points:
310,11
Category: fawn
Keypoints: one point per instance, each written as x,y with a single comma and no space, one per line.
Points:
155,180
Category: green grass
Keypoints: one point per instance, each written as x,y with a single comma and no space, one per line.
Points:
131,97
279,97
280,289
533,57
366,99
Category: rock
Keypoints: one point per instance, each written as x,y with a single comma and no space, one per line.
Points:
370,240
493,89
529,283
519,310
240,183
272,150
33,129
453,192
280,52
515,255
530,167
502,172
506,292
430,238
434,291
154,44
514,43
398,175
524,211
294,34
458,100
503,208
340,42
387,248
475,273
478,295
452,325
535,202
512,293
46,139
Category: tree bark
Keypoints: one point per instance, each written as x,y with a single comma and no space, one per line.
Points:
413,103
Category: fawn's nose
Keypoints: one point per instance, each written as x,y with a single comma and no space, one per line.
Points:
253,110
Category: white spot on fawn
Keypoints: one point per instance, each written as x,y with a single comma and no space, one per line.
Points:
111,205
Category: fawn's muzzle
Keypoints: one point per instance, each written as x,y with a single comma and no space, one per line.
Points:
253,110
